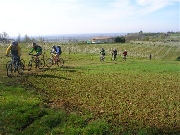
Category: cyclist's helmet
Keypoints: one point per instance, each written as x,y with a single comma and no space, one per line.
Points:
34,44
14,43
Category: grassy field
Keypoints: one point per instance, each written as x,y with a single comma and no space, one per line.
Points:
86,96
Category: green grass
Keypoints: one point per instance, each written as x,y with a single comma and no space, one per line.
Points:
86,96
23,112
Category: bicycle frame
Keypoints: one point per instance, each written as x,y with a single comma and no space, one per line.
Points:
52,60
35,59
102,57
124,57
38,63
114,57
54,57
14,65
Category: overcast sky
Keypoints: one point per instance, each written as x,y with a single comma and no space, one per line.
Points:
47,17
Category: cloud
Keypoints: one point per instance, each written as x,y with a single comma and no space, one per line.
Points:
148,6
39,17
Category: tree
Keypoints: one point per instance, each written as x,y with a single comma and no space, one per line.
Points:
141,31
123,40
19,38
119,39
27,38
4,37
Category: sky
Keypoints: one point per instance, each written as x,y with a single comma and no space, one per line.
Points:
51,17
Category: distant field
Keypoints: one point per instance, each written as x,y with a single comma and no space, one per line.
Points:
137,96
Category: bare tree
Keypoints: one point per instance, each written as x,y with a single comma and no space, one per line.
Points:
27,38
4,37
19,38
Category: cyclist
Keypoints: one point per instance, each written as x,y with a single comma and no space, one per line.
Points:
114,54
124,54
15,51
102,52
56,51
37,49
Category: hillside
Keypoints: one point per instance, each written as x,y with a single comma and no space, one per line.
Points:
87,96
163,37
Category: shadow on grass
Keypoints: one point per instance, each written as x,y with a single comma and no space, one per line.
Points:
41,72
62,68
45,76
52,76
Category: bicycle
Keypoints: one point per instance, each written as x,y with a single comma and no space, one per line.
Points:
51,61
13,66
114,57
22,62
36,62
102,57
124,58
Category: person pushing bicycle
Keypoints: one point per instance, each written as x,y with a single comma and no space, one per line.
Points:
37,49
114,54
124,55
15,51
102,52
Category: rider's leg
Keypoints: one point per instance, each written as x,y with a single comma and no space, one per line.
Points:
37,56
114,57
55,58
124,57
103,57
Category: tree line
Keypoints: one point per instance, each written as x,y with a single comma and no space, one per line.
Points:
5,38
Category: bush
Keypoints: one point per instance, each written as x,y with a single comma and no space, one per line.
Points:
119,39
178,58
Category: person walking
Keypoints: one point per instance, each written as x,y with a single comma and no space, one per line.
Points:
102,52
124,55
114,54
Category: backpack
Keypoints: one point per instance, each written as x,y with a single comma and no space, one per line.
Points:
103,52
59,49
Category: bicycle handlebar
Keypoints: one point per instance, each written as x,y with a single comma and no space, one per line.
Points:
31,54
8,55
11,56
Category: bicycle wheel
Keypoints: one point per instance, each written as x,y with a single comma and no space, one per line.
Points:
60,62
49,62
30,64
41,63
22,62
22,65
102,58
9,70
114,57
20,69
9,62
124,58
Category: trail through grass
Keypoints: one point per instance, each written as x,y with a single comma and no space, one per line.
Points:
86,96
